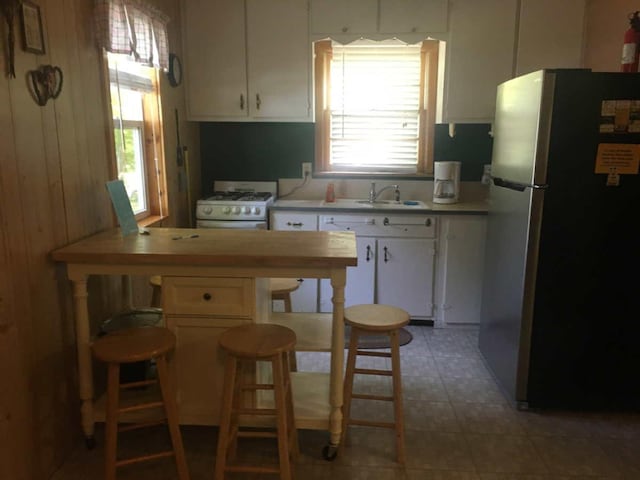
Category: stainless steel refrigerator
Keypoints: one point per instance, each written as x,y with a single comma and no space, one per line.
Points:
560,322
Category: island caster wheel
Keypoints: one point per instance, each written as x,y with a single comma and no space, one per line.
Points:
330,452
90,442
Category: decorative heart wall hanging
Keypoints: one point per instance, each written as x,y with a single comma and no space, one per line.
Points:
46,83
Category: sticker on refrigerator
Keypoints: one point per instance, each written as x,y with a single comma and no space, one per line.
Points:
618,158
620,116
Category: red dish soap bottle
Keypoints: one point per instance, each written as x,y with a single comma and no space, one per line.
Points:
330,195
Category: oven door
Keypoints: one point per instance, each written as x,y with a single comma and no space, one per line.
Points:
242,224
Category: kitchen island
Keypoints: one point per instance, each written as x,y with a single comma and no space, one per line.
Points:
214,279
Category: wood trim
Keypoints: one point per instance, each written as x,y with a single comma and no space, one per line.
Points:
323,54
429,83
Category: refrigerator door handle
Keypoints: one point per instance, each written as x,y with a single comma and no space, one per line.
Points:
520,187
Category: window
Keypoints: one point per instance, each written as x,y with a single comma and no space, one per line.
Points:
137,132
375,106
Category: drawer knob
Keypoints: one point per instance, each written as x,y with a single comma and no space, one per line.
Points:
207,296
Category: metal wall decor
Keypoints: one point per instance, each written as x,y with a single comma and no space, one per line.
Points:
46,83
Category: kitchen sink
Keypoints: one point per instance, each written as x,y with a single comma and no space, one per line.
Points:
378,204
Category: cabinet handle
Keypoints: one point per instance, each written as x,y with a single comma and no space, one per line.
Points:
368,253
206,296
386,254
294,224
258,101
241,101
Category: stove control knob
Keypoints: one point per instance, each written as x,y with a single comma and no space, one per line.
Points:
207,210
236,210
247,209
256,210
226,210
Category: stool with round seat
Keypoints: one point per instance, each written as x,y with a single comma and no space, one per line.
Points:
281,289
248,344
135,345
375,319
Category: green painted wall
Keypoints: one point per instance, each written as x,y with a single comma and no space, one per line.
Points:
268,151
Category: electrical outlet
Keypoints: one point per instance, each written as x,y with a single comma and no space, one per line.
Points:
306,170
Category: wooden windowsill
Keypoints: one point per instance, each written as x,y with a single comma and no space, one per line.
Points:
152,221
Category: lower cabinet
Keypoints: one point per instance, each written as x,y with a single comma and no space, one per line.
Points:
460,269
198,310
396,259
305,298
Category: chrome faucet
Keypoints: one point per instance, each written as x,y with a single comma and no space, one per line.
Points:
373,194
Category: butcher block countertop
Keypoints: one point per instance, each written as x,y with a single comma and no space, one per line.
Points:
219,247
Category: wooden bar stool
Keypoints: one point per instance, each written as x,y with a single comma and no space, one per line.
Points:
252,343
156,292
281,289
135,345
375,319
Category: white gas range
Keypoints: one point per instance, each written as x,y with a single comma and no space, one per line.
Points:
236,205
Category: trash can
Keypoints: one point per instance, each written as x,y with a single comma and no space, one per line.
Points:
141,317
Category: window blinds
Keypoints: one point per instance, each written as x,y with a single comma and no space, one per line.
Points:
375,107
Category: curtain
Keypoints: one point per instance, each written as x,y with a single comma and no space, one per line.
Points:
133,27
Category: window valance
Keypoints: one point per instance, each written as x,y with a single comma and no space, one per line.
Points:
133,27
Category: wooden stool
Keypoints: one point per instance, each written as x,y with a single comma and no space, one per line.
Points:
253,342
135,345
281,289
156,294
375,319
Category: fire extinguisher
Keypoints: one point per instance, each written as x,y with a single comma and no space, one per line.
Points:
631,47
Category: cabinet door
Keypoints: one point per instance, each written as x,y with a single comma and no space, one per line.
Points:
360,279
405,274
305,298
344,16
278,59
214,54
479,57
561,45
413,16
199,367
462,250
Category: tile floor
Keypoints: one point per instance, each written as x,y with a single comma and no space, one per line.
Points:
459,427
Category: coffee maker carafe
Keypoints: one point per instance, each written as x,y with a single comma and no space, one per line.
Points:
446,182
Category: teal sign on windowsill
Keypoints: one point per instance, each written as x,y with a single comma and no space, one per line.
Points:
122,206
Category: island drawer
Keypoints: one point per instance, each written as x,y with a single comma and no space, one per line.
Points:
229,297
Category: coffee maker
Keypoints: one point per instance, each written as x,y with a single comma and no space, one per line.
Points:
446,182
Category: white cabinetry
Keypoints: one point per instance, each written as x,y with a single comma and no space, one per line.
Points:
378,16
305,298
395,262
247,60
460,268
561,44
480,55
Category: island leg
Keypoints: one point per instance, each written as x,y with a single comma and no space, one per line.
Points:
338,282
83,345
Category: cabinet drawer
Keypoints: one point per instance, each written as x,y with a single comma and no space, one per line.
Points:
230,297
294,221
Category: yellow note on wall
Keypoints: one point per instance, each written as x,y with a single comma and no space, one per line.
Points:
618,158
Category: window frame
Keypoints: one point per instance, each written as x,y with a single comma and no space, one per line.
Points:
153,148
429,53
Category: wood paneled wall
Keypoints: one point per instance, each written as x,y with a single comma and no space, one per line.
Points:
54,162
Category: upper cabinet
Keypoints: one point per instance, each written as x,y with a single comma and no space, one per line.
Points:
413,16
550,35
480,56
344,16
247,60
368,17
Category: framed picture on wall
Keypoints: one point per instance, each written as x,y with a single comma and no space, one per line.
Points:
32,34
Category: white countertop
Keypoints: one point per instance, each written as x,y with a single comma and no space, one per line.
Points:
476,207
